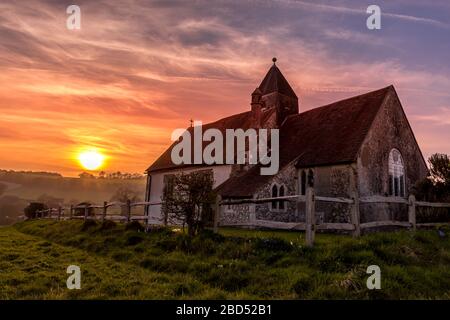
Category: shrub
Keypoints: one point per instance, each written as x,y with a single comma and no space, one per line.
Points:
31,210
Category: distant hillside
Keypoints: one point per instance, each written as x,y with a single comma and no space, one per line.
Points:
17,189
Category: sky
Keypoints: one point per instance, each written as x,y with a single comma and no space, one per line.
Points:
137,70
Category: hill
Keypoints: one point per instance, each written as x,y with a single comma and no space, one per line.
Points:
17,189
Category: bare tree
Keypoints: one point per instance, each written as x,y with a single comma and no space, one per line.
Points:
123,194
188,198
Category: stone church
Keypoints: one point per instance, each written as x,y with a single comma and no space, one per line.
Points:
361,145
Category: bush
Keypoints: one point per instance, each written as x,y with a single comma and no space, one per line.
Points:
31,210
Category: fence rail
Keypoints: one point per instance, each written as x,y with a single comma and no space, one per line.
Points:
309,225
60,212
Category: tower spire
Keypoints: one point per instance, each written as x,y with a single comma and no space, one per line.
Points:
275,92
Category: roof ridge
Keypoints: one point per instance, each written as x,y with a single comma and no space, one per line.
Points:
344,100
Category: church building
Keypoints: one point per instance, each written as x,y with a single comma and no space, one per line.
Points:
363,145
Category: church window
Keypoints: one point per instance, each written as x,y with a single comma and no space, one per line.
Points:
274,203
281,194
278,191
396,174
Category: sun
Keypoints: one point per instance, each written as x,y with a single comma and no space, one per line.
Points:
91,160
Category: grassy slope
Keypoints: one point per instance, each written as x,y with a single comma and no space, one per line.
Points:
92,190
118,263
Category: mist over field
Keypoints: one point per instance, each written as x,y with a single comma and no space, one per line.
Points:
18,189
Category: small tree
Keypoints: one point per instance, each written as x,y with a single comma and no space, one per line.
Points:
31,210
435,188
440,168
86,175
188,199
123,194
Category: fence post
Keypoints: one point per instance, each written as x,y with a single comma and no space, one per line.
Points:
310,217
128,210
59,212
86,212
217,214
355,214
412,211
71,211
146,215
252,208
105,208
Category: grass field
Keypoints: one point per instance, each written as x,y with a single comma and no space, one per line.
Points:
120,262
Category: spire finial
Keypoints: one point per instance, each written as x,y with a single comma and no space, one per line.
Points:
274,60
192,122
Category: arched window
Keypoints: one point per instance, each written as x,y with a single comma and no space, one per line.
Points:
303,183
396,174
274,195
278,191
281,194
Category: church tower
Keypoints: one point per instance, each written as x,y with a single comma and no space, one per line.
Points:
275,92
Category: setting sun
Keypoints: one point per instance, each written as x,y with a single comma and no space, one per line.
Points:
91,160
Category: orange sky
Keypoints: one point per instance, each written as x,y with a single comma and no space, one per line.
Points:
134,73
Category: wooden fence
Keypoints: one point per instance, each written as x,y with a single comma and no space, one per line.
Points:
65,213
310,226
